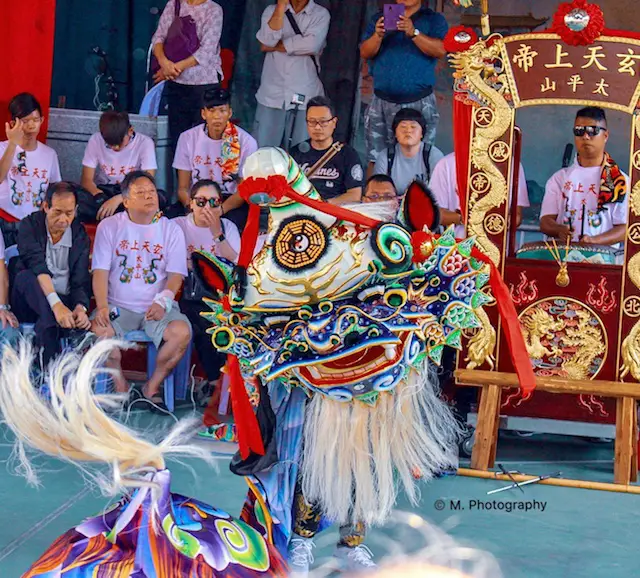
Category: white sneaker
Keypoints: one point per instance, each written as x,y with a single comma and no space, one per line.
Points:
300,556
358,559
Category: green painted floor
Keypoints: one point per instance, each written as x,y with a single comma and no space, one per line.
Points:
581,533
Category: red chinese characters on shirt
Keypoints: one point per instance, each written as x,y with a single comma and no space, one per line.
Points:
138,262
31,191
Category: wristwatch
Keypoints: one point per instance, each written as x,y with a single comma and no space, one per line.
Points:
415,34
5,307
220,238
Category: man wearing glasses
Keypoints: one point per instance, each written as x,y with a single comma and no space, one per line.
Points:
139,263
587,202
26,165
380,189
52,287
340,179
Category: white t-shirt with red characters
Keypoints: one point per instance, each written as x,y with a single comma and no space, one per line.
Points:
201,155
112,166
572,194
22,191
139,259
444,186
201,238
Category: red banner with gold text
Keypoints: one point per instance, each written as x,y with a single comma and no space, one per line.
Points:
26,53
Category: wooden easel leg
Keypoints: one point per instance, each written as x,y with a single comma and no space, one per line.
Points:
486,435
634,444
626,440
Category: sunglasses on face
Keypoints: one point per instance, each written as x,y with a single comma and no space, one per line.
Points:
202,202
590,131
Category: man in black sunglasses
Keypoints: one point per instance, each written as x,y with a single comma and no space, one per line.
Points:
587,201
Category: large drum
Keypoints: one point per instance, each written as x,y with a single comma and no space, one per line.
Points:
597,254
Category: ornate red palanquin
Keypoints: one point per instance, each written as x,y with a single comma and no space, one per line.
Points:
588,307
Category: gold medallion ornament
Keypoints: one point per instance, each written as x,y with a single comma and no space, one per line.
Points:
480,183
634,233
484,117
499,151
299,244
494,223
631,306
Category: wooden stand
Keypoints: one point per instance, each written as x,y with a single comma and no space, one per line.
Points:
492,383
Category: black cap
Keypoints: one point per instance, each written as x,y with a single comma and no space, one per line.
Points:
409,114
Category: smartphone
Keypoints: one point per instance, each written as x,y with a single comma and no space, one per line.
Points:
392,13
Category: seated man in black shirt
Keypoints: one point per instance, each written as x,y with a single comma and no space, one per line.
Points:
53,286
341,179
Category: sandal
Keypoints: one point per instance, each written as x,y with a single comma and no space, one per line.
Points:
155,404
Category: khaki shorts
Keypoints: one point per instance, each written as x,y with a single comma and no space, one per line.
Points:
132,321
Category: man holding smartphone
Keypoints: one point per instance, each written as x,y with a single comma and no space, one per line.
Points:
402,50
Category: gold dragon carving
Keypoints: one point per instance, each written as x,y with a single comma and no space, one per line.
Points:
482,344
474,66
589,343
586,339
631,345
537,324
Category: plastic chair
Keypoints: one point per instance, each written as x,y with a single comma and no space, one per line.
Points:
178,380
10,253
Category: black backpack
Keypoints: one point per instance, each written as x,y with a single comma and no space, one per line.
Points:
391,157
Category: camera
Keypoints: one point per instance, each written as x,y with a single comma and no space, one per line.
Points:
298,99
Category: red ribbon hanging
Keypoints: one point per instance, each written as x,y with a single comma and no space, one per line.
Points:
510,324
249,436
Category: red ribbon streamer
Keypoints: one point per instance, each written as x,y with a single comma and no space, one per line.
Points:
510,324
8,217
249,436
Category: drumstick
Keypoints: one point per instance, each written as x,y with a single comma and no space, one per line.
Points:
335,148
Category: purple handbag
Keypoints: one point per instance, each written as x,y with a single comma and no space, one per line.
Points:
182,39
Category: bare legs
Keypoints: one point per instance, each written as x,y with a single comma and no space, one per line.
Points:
176,339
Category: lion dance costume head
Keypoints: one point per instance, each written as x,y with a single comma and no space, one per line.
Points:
354,310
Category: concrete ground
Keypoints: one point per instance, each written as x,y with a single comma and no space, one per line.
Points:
580,533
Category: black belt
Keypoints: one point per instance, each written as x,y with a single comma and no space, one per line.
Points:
397,99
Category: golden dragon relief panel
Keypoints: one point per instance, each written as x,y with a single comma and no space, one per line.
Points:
631,344
488,186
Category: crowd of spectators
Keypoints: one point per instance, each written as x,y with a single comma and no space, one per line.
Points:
140,258
140,255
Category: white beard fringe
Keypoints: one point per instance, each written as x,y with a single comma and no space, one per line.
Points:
351,450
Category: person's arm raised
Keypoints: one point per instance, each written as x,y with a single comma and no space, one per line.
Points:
371,46
15,134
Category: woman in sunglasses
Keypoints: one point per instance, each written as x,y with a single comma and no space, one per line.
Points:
206,230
